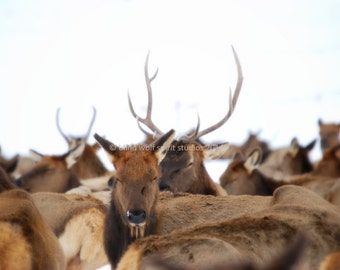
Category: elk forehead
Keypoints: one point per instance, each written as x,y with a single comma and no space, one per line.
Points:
137,164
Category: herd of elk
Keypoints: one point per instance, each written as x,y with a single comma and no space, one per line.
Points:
243,176
158,205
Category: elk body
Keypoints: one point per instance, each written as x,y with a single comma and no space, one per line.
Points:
257,236
183,167
26,240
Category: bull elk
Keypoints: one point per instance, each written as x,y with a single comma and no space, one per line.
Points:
183,167
89,164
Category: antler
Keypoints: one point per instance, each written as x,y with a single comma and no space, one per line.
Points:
147,120
67,138
232,102
59,128
91,124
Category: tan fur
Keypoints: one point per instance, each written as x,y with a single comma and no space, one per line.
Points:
258,235
78,221
16,251
83,237
40,244
331,262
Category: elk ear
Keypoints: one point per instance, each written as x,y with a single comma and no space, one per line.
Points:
319,122
161,146
74,154
253,160
294,147
215,151
111,149
36,156
311,145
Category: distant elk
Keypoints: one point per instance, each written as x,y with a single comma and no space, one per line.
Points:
89,164
242,176
183,167
329,134
288,161
248,146
52,172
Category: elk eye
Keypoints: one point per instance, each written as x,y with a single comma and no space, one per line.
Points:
155,178
190,164
143,190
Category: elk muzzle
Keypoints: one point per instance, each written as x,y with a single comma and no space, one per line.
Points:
136,218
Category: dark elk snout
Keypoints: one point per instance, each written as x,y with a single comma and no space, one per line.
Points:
136,216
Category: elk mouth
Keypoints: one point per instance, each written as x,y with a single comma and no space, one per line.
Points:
137,222
137,230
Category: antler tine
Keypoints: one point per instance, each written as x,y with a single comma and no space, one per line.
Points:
232,99
59,128
147,120
91,124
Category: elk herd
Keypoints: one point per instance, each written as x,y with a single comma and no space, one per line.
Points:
157,207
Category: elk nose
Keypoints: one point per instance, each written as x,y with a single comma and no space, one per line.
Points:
163,187
324,144
136,216
18,183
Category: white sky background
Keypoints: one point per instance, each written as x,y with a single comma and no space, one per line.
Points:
81,53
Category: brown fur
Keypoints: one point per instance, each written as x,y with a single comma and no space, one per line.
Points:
257,236
38,245
89,165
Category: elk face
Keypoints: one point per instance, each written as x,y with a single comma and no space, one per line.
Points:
296,160
183,167
51,173
135,187
239,177
329,134
329,165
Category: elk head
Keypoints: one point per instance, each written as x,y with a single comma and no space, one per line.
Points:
329,165
329,134
242,176
182,168
135,188
89,165
52,172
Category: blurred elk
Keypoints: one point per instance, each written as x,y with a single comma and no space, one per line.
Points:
52,172
183,167
242,176
288,161
89,164
329,134
248,146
